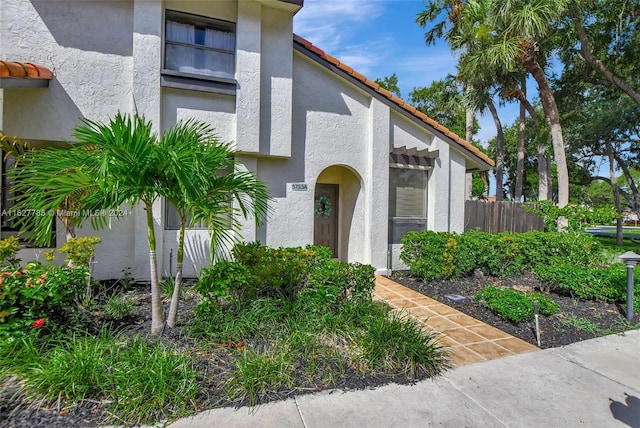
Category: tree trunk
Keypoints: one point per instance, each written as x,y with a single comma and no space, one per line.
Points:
543,178
634,200
553,116
175,297
499,152
616,192
520,155
157,316
470,115
468,128
598,66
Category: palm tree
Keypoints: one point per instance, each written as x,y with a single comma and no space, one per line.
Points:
510,34
199,180
126,168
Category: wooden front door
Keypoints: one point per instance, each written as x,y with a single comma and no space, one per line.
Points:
325,214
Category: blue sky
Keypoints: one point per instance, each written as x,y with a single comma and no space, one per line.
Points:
380,37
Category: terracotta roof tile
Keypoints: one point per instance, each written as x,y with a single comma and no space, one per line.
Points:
346,68
332,60
24,70
359,76
396,100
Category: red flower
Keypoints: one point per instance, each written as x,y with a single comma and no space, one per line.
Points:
38,323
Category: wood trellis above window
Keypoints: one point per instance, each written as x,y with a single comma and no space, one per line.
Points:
401,157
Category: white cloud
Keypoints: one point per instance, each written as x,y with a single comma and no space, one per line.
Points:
326,23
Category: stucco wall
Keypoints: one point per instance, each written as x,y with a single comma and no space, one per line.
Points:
457,180
87,45
295,121
275,83
405,132
332,127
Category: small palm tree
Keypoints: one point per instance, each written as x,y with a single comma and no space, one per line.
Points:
199,180
126,166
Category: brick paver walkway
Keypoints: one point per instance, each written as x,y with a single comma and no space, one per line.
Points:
470,340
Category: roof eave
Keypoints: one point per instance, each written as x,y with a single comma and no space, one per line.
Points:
312,52
23,82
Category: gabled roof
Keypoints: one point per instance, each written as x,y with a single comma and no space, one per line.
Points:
23,75
395,101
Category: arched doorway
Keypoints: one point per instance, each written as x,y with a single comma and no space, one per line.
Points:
336,200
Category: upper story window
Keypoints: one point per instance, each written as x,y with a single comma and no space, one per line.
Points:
199,47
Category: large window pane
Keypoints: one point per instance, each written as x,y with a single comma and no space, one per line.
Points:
198,45
192,60
407,192
407,202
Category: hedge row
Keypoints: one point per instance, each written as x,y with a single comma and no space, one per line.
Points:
439,255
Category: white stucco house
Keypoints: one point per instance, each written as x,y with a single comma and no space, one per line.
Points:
349,164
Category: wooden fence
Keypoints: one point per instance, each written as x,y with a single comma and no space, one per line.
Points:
495,217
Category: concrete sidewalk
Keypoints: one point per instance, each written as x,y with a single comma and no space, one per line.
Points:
595,383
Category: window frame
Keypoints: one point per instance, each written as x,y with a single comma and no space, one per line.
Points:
169,206
195,81
7,228
421,222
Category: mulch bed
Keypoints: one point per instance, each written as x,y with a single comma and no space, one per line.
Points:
213,368
578,319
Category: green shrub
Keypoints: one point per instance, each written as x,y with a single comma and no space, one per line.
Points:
226,279
32,295
435,255
278,271
605,284
514,305
577,216
8,251
80,251
286,273
332,283
423,251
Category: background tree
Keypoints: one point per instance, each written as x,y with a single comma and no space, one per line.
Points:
390,83
606,35
444,102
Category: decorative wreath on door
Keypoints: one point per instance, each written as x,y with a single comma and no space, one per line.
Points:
322,207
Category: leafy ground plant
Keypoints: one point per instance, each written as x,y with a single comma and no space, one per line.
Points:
513,305
270,337
137,380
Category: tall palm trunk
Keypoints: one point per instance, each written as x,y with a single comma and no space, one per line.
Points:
616,192
543,173
553,116
520,155
175,297
499,152
468,128
157,316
